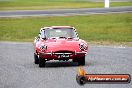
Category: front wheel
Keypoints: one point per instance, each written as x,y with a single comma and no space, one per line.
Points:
81,61
36,60
41,62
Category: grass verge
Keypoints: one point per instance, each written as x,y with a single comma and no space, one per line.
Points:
53,4
108,27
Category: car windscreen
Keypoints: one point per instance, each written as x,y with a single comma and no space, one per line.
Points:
59,32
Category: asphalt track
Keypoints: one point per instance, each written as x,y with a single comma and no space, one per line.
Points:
65,12
17,69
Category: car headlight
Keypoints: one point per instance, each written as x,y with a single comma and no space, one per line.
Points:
43,47
82,46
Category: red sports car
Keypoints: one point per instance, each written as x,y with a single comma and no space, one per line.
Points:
59,43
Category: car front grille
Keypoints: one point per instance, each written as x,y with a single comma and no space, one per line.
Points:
63,52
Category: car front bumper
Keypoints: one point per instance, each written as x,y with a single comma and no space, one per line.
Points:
61,56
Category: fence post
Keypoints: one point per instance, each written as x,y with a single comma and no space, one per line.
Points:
106,3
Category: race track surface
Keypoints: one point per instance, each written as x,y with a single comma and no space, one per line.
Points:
17,69
66,12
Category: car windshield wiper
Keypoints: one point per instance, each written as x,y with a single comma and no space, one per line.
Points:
69,37
62,37
53,37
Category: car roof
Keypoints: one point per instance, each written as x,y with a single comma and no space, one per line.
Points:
61,27
54,27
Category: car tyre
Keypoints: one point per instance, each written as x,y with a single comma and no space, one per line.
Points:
41,62
36,60
81,61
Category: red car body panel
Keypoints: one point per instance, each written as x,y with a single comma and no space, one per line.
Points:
60,46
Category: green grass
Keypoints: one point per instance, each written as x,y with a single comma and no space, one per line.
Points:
106,28
53,4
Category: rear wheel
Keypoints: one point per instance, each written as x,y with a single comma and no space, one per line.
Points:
41,62
36,60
